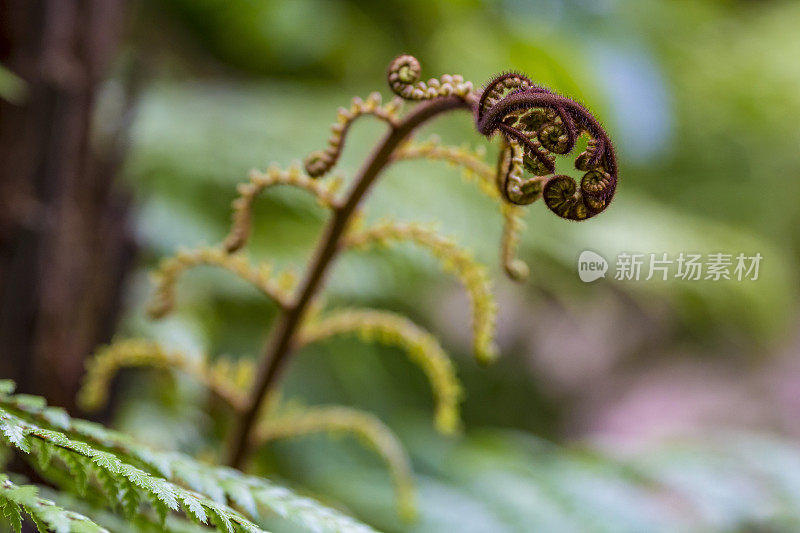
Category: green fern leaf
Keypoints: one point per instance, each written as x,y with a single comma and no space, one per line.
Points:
14,434
106,461
129,498
221,521
57,417
162,511
12,515
111,487
45,514
7,387
199,480
145,475
41,527
195,508
81,458
162,490
77,468
43,455
58,521
241,496
30,401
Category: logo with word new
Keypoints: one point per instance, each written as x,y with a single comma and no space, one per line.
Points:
591,266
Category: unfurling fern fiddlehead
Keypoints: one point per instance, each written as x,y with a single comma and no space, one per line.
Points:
534,123
471,273
423,349
322,161
474,168
404,73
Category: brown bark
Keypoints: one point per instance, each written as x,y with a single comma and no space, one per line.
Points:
64,243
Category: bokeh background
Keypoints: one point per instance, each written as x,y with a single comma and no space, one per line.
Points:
616,405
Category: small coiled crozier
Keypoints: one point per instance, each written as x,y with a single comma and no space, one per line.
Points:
320,162
536,124
404,73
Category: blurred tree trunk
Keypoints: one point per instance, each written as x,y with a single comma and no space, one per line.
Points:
64,241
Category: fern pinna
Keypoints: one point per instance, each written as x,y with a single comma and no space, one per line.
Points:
108,469
534,125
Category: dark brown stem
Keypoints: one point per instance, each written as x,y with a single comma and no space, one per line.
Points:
280,347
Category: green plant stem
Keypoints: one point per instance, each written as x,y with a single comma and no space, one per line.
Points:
280,347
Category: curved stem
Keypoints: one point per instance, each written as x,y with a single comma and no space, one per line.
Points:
280,347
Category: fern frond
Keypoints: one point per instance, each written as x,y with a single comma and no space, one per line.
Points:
223,378
391,328
45,513
453,259
474,169
127,523
343,420
260,181
513,185
169,272
515,268
219,484
234,378
83,459
303,511
404,79
321,162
